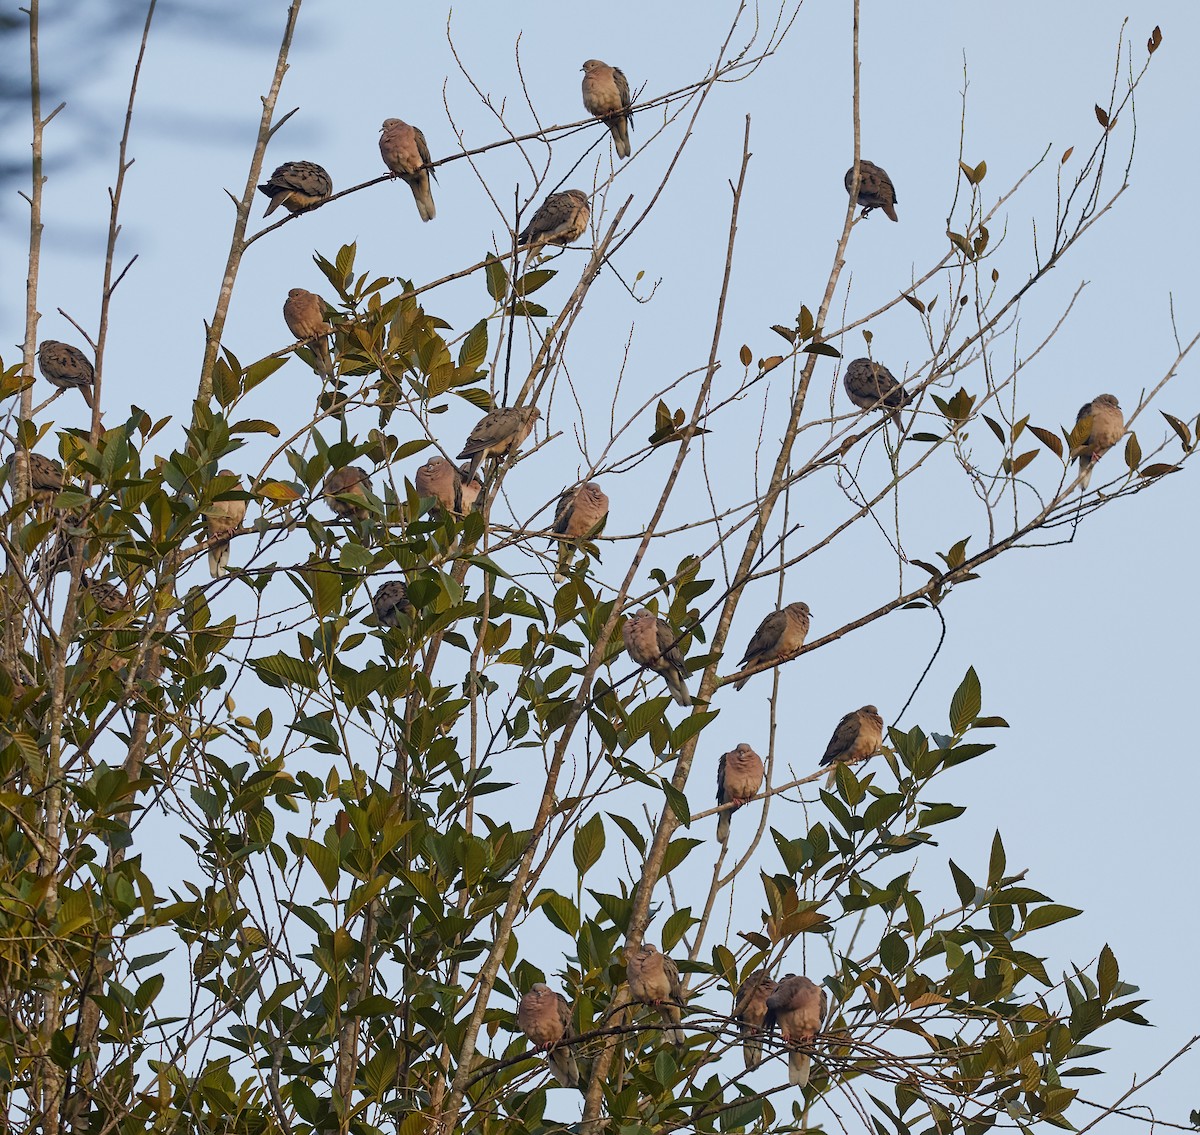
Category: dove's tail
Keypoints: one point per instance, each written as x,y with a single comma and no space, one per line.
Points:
620,132
564,1067
678,687
671,1017
798,1066
752,1050
723,828
889,211
423,195
218,559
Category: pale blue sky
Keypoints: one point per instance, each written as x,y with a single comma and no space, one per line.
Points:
1087,649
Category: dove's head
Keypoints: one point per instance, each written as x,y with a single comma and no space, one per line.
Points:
1109,400
871,710
539,988
388,123
591,65
800,608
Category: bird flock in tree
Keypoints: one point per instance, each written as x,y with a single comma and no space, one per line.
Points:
794,1004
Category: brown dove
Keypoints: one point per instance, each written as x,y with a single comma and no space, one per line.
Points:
352,482
648,640
391,601
107,596
798,1007
45,475
498,432
875,189
872,386
581,513
304,314
561,218
545,1017
654,980
405,153
224,518
1107,428
779,637
750,1012
857,736
297,186
66,367
739,777
440,480
469,489
606,95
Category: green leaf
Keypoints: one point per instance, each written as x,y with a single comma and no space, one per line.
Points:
1048,915
966,703
677,803
589,844
962,884
497,277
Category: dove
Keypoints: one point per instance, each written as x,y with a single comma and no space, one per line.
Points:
405,153
798,1007
750,1012
1107,428
606,95
470,488
297,186
875,189
654,980
545,1017
454,491
224,518
581,513
739,777
45,475
871,386
66,367
107,596
390,602
856,737
349,481
304,313
779,638
560,219
498,432
648,640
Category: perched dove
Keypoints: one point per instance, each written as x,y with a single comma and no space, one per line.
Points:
648,640
606,95
65,366
498,432
798,1007
581,513
779,638
875,189
297,186
390,602
45,475
545,1017
350,481
450,487
561,218
224,518
750,1012
1107,428
304,314
107,596
872,386
857,736
739,777
405,153
654,980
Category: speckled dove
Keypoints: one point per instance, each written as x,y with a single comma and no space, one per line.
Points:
654,980
107,596
779,637
224,518
561,218
648,640
349,481
304,313
750,1012
871,386
297,186
581,514
857,736
1107,428
66,367
875,189
545,1017
739,777
798,1007
45,475
406,154
390,602
606,95
498,432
